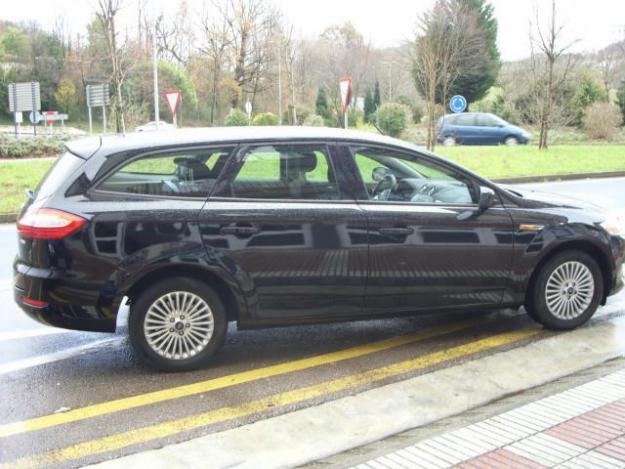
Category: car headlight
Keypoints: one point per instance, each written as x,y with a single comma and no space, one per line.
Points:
615,225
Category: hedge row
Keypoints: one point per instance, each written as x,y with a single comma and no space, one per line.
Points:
29,147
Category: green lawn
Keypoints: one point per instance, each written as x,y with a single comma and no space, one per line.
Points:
15,177
492,162
525,160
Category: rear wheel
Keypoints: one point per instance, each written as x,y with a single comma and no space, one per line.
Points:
567,291
177,324
449,141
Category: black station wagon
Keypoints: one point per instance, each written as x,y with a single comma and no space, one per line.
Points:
279,226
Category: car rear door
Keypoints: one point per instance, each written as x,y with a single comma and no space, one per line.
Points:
297,246
429,251
466,129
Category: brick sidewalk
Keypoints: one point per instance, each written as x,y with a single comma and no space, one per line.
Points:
583,427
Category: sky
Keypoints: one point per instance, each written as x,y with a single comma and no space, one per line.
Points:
593,24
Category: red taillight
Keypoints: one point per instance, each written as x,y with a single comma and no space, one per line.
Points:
34,303
48,223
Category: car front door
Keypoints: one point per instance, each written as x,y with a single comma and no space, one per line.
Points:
489,129
430,247
297,248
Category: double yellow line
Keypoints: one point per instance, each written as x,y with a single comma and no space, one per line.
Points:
170,428
127,403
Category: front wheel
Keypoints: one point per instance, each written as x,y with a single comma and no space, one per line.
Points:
567,291
511,141
177,324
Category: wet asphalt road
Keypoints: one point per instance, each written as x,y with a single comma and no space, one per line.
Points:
57,386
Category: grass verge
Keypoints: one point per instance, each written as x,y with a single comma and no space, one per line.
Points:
525,160
17,176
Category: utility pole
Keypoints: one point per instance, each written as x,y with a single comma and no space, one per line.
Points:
155,73
390,81
280,82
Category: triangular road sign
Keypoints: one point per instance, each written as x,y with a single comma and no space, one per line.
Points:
345,86
173,100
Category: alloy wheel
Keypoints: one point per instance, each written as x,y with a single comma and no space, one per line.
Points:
178,325
570,290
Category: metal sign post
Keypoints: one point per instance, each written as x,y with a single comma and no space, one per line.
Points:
248,110
15,123
34,105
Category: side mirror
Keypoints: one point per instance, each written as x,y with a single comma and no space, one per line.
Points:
379,173
486,198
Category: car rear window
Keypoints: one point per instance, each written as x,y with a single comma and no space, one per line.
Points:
58,173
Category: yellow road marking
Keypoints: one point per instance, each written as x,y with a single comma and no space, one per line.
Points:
126,403
173,427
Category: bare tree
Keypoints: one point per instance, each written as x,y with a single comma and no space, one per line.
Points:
251,24
448,36
217,40
175,37
545,72
108,10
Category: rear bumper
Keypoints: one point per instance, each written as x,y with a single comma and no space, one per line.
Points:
58,297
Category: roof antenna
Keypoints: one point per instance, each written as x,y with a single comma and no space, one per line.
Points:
377,128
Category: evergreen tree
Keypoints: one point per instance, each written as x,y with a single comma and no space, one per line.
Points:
377,100
620,98
485,69
369,106
322,107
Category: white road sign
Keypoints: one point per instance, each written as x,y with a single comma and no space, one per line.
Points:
24,96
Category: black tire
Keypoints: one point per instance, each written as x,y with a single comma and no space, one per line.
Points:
139,308
536,304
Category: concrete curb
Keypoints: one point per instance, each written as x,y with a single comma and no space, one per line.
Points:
8,217
560,177
313,433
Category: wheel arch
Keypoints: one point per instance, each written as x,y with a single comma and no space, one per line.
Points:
210,278
584,246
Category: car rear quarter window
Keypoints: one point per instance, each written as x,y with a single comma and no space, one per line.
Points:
58,173
181,174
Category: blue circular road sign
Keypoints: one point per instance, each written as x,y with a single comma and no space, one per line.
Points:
458,103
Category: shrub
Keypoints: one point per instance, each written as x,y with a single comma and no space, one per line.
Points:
587,93
415,110
236,118
601,121
266,118
27,147
314,120
392,118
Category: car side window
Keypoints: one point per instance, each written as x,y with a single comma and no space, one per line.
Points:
184,174
398,177
300,172
484,120
465,119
